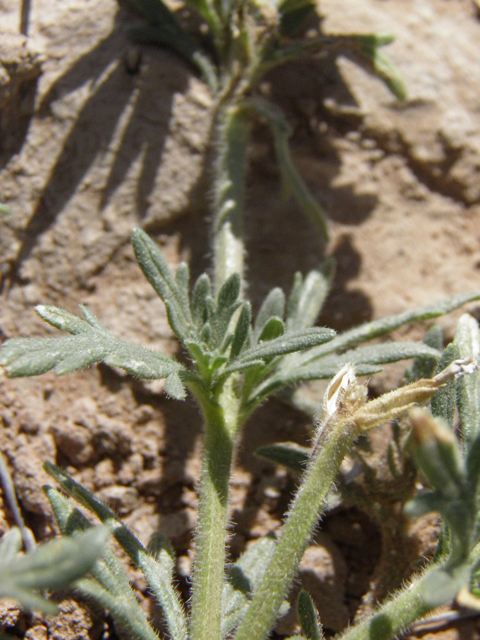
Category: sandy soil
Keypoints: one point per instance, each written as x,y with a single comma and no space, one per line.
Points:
88,150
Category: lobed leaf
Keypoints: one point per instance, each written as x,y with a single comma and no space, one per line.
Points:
369,47
89,344
158,273
108,570
227,304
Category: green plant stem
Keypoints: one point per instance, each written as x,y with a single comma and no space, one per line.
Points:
299,526
221,428
228,244
401,611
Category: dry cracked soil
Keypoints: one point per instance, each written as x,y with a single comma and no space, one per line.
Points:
88,150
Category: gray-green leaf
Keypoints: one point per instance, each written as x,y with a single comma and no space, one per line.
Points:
90,343
308,616
467,339
53,565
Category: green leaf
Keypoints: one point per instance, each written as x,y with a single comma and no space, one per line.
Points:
178,40
241,331
294,300
293,14
377,328
208,13
380,63
201,291
156,270
438,455
53,565
89,344
10,544
308,296
222,336
205,334
273,305
157,572
289,454
308,616
442,585
379,354
127,613
238,365
111,588
443,403
182,280
272,329
229,292
243,579
291,341
174,387
299,367
424,502
227,304
467,339
108,569
293,182
424,365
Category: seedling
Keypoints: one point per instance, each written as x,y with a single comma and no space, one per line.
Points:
236,362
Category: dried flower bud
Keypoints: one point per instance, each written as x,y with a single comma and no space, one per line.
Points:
346,400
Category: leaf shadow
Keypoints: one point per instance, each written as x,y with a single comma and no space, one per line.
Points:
125,115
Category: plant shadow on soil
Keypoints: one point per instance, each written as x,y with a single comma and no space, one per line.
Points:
114,87
280,241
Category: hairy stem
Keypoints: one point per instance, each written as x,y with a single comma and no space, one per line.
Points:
221,427
401,611
228,243
299,526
